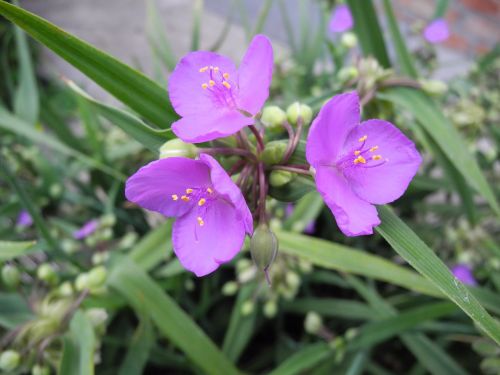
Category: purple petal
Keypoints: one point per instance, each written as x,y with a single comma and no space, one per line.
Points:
185,89
331,127
24,219
353,215
311,227
289,210
463,273
255,74
154,185
437,31
86,230
201,249
224,186
203,127
341,19
386,179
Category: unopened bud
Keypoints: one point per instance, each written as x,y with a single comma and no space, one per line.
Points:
96,316
299,110
270,308
347,73
100,257
178,148
108,220
97,277
292,279
230,288
313,323
65,289
273,117
274,152
11,275
9,360
45,272
280,178
263,247
40,370
349,40
82,282
433,87
247,307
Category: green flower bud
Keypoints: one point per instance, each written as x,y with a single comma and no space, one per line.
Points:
270,309
434,87
313,322
263,247
297,110
55,190
230,288
349,40
45,272
97,277
108,220
176,147
292,279
65,289
96,316
347,73
82,282
69,246
247,307
9,360
274,152
490,365
100,257
280,178
273,117
40,370
11,275
351,333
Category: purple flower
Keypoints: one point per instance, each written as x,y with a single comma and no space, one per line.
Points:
213,97
86,230
358,164
436,31
212,215
341,19
24,219
463,273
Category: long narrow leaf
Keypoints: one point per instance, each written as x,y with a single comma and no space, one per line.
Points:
10,250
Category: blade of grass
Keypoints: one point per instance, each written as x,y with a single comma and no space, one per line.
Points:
157,37
195,33
262,18
304,359
10,250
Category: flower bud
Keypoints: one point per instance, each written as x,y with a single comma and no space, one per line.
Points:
263,247
82,282
96,316
347,73
296,110
433,87
45,272
176,147
280,178
9,360
97,277
274,152
100,257
292,279
65,289
11,275
230,288
349,40
108,220
40,370
273,117
270,309
247,307
313,323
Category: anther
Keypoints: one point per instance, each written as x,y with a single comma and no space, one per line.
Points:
209,191
189,191
202,201
226,75
363,138
204,69
185,198
360,159
211,83
175,197
216,69
374,148
226,85
200,221
357,152
376,157
204,85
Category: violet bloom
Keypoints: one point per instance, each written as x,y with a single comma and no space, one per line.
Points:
463,273
213,97
86,230
436,31
212,215
358,164
24,219
341,19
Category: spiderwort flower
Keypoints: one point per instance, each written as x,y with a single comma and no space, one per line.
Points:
213,97
436,31
86,230
212,215
358,164
464,273
341,19
24,219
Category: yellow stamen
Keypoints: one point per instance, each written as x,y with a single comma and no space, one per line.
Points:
226,75
175,197
200,221
204,85
185,199
357,152
374,148
202,201
211,83
360,159
209,191
189,191
216,69
363,138
204,69
376,157
226,85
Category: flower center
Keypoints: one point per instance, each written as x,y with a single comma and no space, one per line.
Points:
362,156
198,198
219,86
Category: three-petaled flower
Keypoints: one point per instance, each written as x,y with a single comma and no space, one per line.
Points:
212,215
436,31
358,164
213,97
341,19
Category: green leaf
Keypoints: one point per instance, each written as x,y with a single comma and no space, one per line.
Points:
139,348
306,210
128,85
78,347
409,246
157,37
10,250
303,360
368,30
197,17
445,136
153,247
145,295
14,310
331,307
342,258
